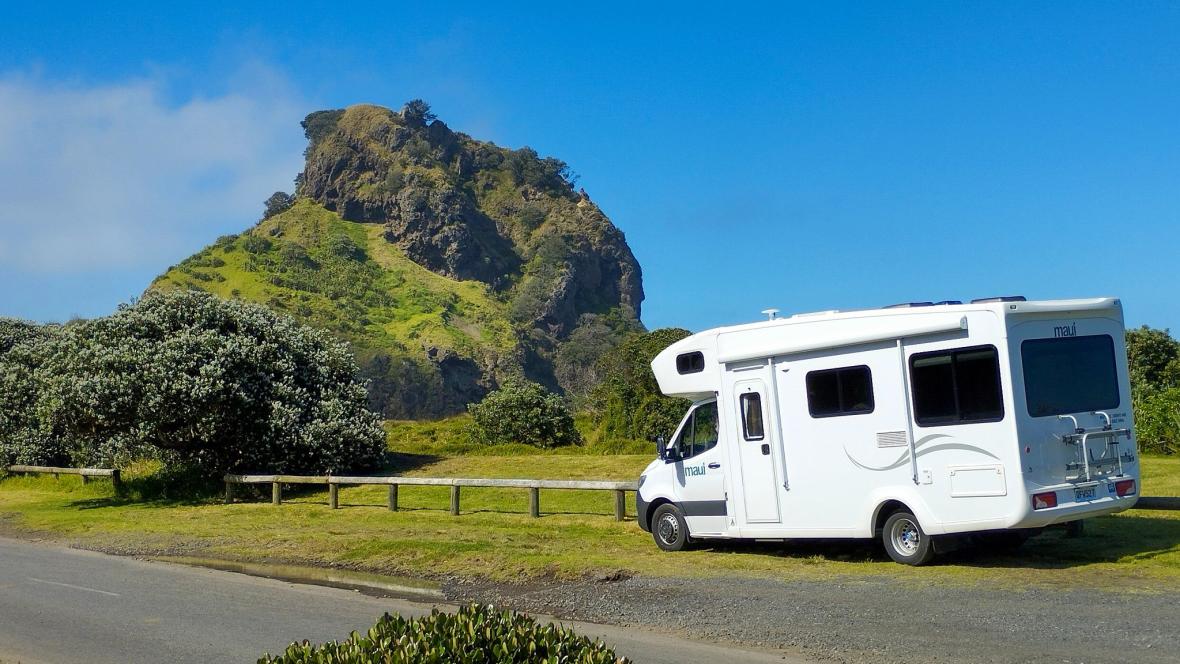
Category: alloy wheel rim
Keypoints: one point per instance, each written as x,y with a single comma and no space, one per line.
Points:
906,537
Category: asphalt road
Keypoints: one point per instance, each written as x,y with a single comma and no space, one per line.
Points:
66,605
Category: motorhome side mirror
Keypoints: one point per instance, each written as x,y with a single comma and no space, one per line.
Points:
660,447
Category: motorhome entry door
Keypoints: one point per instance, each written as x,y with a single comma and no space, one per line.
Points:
757,450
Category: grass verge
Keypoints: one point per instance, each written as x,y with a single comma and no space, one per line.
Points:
576,537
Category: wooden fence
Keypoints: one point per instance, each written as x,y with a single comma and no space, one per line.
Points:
85,473
334,482
534,487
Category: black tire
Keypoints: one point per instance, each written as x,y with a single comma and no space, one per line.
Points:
669,529
905,541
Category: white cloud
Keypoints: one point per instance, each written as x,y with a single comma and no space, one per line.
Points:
111,176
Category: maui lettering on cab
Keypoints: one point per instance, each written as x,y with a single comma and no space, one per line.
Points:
694,470
1070,330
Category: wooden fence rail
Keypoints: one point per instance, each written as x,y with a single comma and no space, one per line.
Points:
85,473
334,482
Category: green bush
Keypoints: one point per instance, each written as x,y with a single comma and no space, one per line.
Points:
474,635
214,384
1154,366
1157,420
523,412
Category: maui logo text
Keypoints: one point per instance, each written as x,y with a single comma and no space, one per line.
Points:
1070,330
694,470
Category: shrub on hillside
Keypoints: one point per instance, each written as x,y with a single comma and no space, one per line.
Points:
523,412
628,400
221,385
474,635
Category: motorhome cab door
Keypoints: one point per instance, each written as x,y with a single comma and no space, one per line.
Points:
700,475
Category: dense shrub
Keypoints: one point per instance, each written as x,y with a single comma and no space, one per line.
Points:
523,412
628,400
278,203
1154,358
23,347
206,382
474,635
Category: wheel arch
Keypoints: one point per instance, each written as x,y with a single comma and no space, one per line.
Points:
651,510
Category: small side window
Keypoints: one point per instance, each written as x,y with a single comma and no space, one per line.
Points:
751,405
844,391
687,363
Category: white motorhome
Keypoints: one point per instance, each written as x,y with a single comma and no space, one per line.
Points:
906,423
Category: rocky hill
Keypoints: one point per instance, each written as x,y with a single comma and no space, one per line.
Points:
449,263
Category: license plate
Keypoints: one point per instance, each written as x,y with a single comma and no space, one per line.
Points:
1082,494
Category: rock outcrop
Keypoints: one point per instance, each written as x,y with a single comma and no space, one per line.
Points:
450,264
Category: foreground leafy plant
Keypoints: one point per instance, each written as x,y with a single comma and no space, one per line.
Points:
476,634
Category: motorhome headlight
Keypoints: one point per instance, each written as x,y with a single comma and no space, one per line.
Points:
642,479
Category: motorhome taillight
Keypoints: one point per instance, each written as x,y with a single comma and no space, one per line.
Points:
1124,488
1044,500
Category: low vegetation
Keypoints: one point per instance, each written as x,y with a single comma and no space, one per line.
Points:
474,635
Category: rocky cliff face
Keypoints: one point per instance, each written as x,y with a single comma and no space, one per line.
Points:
468,209
449,263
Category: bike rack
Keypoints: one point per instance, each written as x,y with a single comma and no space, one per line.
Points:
1081,437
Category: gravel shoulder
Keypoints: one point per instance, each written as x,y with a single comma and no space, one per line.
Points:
869,621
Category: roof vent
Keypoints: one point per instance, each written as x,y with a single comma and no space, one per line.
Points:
907,305
949,302
771,314
1003,298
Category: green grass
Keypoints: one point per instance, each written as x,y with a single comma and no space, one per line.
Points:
1138,550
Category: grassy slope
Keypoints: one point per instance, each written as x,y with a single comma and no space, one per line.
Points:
1134,551
385,300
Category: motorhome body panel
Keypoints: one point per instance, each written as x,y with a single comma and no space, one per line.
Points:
826,471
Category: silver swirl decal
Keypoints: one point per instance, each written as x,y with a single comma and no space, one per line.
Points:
919,445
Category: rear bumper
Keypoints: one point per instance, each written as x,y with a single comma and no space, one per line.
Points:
1072,511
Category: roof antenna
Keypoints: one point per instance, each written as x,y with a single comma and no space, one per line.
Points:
771,314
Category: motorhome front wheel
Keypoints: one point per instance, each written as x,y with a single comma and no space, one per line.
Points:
905,542
669,529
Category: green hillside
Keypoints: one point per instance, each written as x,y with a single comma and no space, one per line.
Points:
450,264
344,277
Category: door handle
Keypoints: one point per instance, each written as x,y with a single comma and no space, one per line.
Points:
765,448
714,465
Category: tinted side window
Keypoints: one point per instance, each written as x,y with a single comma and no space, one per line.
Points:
687,363
751,405
699,432
957,386
844,391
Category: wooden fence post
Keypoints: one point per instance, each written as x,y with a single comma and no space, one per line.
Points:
334,496
116,479
229,492
85,479
276,493
454,500
534,502
620,505
392,497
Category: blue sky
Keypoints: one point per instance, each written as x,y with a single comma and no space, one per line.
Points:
797,156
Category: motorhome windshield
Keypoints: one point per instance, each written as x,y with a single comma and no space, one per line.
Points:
1069,375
